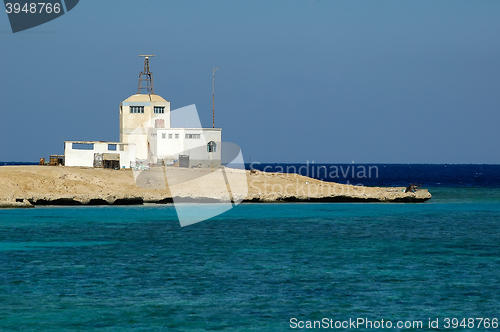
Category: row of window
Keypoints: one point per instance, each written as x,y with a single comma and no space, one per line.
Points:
136,109
90,146
211,146
188,136
140,109
169,136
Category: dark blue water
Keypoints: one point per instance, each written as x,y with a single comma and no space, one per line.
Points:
253,268
429,175
17,163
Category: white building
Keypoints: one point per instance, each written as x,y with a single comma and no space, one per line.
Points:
99,154
146,136
145,122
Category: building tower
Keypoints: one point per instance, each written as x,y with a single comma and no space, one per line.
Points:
141,114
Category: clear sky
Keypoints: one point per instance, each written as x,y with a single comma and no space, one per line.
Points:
324,81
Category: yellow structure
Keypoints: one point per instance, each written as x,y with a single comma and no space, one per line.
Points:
138,115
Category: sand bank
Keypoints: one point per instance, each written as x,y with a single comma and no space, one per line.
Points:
25,186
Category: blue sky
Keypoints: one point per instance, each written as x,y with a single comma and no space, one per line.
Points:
324,81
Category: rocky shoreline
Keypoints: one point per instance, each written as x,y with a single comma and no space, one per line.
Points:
28,186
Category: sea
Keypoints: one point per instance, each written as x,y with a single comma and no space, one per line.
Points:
430,266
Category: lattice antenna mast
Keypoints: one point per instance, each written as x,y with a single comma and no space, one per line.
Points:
146,78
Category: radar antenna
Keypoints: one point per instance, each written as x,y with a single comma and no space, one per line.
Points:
146,78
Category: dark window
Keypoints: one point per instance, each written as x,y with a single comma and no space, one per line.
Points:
136,109
211,146
83,146
159,110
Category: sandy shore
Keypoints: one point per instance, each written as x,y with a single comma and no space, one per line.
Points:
26,186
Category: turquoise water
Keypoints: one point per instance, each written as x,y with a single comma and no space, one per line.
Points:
252,269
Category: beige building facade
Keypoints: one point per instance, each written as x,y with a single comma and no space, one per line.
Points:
145,120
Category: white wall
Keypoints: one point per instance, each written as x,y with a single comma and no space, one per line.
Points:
196,148
85,158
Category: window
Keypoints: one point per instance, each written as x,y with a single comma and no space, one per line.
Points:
176,135
163,135
83,146
193,136
136,109
169,136
159,110
111,147
211,146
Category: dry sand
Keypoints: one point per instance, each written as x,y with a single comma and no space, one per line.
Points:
25,186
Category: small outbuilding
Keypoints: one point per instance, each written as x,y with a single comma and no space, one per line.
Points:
99,154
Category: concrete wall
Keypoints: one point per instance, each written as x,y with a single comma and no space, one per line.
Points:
196,148
85,158
134,127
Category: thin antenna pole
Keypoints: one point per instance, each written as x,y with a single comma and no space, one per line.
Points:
213,98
